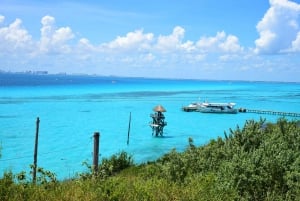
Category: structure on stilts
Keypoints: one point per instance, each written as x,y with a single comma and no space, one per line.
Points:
158,121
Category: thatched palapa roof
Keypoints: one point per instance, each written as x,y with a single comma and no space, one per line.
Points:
159,108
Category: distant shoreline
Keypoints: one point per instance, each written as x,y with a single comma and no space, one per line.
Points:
46,73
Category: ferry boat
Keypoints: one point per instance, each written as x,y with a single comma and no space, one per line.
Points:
207,107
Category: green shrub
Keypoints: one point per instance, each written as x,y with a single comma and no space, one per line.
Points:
260,161
109,167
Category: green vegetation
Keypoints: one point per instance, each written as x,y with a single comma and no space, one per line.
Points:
260,161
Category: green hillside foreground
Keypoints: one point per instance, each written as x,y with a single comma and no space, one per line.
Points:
260,161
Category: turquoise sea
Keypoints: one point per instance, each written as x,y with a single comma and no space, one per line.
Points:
71,108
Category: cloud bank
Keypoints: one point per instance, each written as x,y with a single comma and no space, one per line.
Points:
61,40
279,29
60,49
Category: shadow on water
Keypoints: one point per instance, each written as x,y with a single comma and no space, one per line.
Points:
168,136
85,111
8,116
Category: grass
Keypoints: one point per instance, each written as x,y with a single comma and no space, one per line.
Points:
260,161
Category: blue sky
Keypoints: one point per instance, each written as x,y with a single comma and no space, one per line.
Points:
198,39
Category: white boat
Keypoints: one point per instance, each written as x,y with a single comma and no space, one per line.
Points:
191,107
207,107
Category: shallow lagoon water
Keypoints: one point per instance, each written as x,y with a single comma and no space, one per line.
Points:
72,108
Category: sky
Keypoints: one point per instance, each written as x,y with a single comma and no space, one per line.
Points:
255,40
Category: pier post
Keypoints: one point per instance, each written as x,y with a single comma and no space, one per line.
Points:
96,152
35,150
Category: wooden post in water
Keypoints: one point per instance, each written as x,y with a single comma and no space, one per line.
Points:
129,129
96,152
35,150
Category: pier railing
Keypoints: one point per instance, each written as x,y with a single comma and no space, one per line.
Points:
270,112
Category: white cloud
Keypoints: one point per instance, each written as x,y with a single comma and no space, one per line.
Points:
61,37
14,37
84,49
52,39
219,43
136,40
188,46
209,44
278,28
84,44
47,29
231,44
172,42
46,32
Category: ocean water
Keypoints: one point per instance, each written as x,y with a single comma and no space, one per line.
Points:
72,108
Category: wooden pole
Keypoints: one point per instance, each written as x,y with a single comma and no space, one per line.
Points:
129,129
35,150
96,152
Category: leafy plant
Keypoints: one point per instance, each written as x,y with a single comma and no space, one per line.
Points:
260,161
109,167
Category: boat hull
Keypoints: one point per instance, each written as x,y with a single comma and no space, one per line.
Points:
208,110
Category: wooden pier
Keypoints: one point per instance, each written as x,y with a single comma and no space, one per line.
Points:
269,112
